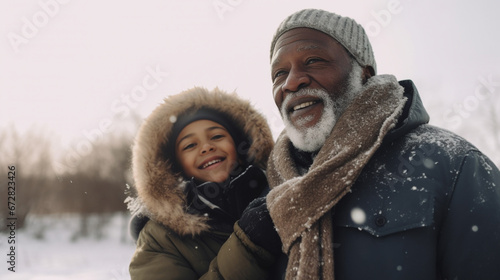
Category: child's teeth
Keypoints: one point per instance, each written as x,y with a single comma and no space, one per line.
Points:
210,163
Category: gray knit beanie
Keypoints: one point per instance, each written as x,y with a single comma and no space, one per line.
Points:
345,30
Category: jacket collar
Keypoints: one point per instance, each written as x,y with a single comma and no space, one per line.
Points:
414,113
224,202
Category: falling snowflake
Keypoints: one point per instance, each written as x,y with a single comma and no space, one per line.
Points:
358,215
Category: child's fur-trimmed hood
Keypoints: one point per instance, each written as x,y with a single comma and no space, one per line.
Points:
159,189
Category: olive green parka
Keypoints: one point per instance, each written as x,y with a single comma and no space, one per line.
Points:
175,242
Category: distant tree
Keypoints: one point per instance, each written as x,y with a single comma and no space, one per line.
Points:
482,125
31,154
97,185
94,188
475,116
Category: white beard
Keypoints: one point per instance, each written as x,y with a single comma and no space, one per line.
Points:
311,139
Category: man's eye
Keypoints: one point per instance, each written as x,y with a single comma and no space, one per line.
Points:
313,60
279,74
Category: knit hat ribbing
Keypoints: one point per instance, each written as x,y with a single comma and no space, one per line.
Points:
345,30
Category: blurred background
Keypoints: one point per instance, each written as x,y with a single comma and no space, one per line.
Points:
78,77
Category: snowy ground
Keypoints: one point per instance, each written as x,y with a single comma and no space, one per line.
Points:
47,249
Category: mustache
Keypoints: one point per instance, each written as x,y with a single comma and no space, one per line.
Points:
319,93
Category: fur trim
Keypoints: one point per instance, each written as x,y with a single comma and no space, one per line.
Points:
158,187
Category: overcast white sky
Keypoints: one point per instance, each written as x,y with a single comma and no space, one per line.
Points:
71,65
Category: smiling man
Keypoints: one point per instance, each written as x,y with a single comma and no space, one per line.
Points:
323,78
362,186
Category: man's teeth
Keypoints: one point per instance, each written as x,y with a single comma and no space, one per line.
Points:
303,105
210,163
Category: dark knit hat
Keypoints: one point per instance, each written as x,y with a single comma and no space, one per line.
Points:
344,30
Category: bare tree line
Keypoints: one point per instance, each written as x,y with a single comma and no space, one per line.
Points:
475,117
483,127
96,186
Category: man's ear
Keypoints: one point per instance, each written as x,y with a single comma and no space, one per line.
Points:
368,72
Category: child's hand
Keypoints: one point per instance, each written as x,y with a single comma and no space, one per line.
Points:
259,227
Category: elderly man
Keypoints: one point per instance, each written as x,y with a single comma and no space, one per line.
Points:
362,186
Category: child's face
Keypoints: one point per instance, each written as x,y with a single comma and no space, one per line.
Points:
206,151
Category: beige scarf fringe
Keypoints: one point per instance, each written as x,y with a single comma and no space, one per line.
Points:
300,205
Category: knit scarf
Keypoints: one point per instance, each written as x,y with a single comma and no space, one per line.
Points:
300,206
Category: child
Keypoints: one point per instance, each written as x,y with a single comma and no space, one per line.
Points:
198,161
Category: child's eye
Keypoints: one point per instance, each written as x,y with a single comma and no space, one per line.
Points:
218,136
189,146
